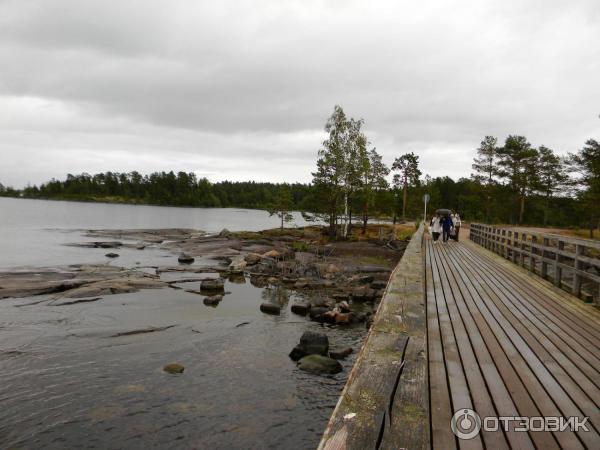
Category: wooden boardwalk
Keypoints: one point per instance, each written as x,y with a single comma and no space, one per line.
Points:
504,342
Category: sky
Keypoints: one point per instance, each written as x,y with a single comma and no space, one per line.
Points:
241,90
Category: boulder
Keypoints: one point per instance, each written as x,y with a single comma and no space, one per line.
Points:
237,265
184,258
252,258
112,255
344,319
319,364
330,316
213,284
258,282
173,368
272,254
311,343
212,300
341,353
317,313
270,308
225,233
140,247
301,308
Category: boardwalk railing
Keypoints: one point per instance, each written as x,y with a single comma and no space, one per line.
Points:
569,262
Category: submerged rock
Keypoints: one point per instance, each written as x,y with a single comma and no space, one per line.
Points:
341,354
215,284
301,308
184,258
212,300
112,255
173,368
270,308
319,364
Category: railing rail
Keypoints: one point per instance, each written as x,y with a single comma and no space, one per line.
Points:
569,262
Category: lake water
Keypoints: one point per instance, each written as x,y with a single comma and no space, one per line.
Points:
67,382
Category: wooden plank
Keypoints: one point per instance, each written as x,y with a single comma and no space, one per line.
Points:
470,369
530,401
439,392
568,346
549,394
585,399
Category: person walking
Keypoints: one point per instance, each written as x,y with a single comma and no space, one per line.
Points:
457,225
446,228
436,228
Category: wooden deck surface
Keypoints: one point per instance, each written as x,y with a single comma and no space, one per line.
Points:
504,342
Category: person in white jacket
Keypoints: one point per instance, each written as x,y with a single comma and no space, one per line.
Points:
436,228
457,223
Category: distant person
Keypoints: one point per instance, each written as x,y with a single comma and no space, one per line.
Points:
457,225
446,228
436,228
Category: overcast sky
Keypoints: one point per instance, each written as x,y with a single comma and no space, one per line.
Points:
241,90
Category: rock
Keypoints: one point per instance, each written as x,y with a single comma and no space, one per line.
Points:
311,343
173,368
237,278
184,258
363,293
330,316
212,300
300,308
289,280
111,244
225,233
215,284
258,282
270,308
140,247
340,354
364,279
112,255
319,364
344,319
252,258
344,306
317,313
273,280
340,295
272,254
372,269
237,265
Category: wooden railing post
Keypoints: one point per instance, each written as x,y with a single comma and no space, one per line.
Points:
522,255
560,245
578,265
532,251
546,244
515,239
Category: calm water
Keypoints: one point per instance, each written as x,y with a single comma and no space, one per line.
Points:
66,382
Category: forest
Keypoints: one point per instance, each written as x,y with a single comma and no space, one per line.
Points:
512,182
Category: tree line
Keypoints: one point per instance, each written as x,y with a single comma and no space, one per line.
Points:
512,182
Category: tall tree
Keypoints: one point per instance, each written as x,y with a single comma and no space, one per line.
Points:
517,164
409,173
551,176
586,163
486,169
374,172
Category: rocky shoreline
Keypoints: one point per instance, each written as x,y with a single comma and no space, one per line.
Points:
340,282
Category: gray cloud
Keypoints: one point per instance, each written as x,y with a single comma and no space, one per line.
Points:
241,89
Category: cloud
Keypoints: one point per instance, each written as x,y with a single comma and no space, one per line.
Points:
241,90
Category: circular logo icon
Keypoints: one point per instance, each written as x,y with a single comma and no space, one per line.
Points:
465,423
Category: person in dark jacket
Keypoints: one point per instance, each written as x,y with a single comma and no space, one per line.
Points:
446,227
